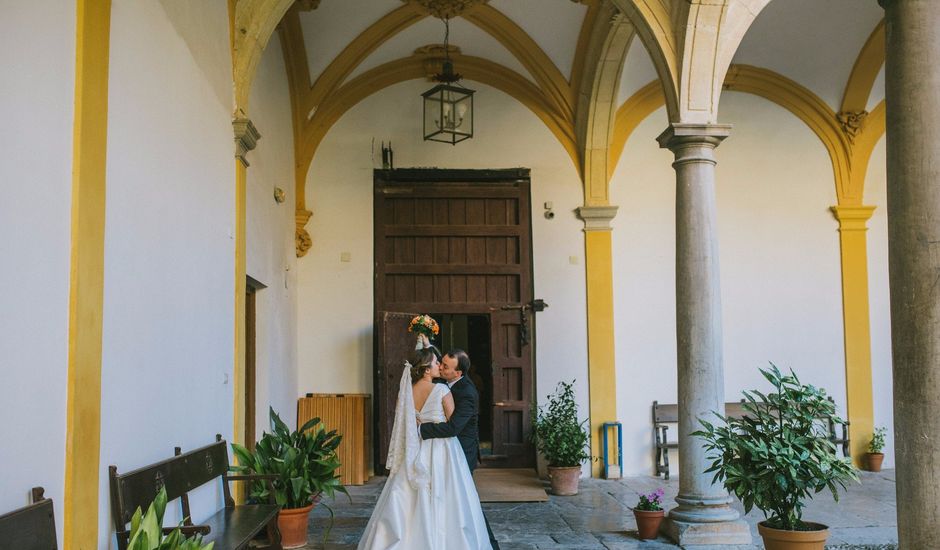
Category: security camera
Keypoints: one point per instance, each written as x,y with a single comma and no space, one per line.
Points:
549,215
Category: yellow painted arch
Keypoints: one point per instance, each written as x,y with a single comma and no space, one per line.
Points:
865,71
411,68
356,51
528,52
849,161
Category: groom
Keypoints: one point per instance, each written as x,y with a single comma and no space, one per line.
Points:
463,423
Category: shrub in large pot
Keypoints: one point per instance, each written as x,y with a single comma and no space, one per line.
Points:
305,462
561,439
778,455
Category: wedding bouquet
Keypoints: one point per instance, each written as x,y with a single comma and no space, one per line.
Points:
424,324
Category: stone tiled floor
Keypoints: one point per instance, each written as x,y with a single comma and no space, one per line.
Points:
600,517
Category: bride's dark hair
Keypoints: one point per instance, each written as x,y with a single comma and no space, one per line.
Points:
422,362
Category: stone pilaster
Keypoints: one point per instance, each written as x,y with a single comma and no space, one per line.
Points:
704,514
599,276
912,81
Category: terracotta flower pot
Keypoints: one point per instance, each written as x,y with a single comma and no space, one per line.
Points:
647,523
779,539
564,479
874,461
292,522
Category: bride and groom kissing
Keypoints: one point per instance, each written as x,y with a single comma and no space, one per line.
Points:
429,501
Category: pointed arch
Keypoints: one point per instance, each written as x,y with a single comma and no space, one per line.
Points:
411,68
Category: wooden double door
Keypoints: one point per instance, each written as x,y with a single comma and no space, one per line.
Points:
457,242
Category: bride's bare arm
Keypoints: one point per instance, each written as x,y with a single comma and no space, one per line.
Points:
448,403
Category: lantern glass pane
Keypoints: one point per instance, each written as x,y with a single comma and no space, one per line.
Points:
448,114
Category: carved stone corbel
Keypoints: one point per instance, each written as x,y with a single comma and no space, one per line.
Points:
301,237
852,123
246,138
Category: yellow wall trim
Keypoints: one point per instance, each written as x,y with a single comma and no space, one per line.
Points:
86,277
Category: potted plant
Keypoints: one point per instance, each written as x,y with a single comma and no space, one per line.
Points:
876,449
561,439
776,456
147,530
305,462
649,514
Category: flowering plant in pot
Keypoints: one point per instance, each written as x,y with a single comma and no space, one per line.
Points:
777,455
649,514
305,462
561,439
876,449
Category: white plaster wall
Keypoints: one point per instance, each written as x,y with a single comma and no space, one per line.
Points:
879,297
779,253
335,298
169,252
271,256
37,60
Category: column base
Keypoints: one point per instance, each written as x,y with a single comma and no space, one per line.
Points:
720,533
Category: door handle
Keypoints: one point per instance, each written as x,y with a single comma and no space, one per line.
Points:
499,404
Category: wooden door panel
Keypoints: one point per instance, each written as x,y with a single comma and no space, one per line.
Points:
512,391
394,345
459,242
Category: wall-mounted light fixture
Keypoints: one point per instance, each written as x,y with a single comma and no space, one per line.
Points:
279,195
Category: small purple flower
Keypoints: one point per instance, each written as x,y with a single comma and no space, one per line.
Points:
651,501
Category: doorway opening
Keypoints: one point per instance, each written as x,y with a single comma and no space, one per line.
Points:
471,333
457,244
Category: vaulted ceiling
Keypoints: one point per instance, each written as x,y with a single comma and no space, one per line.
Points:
592,69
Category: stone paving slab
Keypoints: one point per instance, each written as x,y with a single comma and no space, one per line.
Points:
600,517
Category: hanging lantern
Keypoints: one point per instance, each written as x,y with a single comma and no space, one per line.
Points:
448,107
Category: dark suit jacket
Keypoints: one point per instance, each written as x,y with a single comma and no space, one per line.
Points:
463,422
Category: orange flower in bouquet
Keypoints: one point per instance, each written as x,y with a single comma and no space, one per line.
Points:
424,324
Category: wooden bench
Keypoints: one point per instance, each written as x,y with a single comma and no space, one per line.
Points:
31,527
231,528
664,415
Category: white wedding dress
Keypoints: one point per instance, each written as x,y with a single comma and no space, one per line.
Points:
429,501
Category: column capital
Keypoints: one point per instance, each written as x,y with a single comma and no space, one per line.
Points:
246,138
680,133
597,218
852,218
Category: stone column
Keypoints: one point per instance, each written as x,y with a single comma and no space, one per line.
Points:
704,514
912,94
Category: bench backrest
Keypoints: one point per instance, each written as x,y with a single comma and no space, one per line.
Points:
669,413
31,527
178,475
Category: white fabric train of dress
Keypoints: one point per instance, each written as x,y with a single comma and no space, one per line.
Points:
445,514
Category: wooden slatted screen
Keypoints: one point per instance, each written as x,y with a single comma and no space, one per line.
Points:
350,415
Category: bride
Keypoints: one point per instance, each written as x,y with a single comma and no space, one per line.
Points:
429,501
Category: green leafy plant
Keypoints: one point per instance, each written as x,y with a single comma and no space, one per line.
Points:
305,462
147,530
779,453
557,433
651,502
877,443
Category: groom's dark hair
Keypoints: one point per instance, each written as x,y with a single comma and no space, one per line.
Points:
463,360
